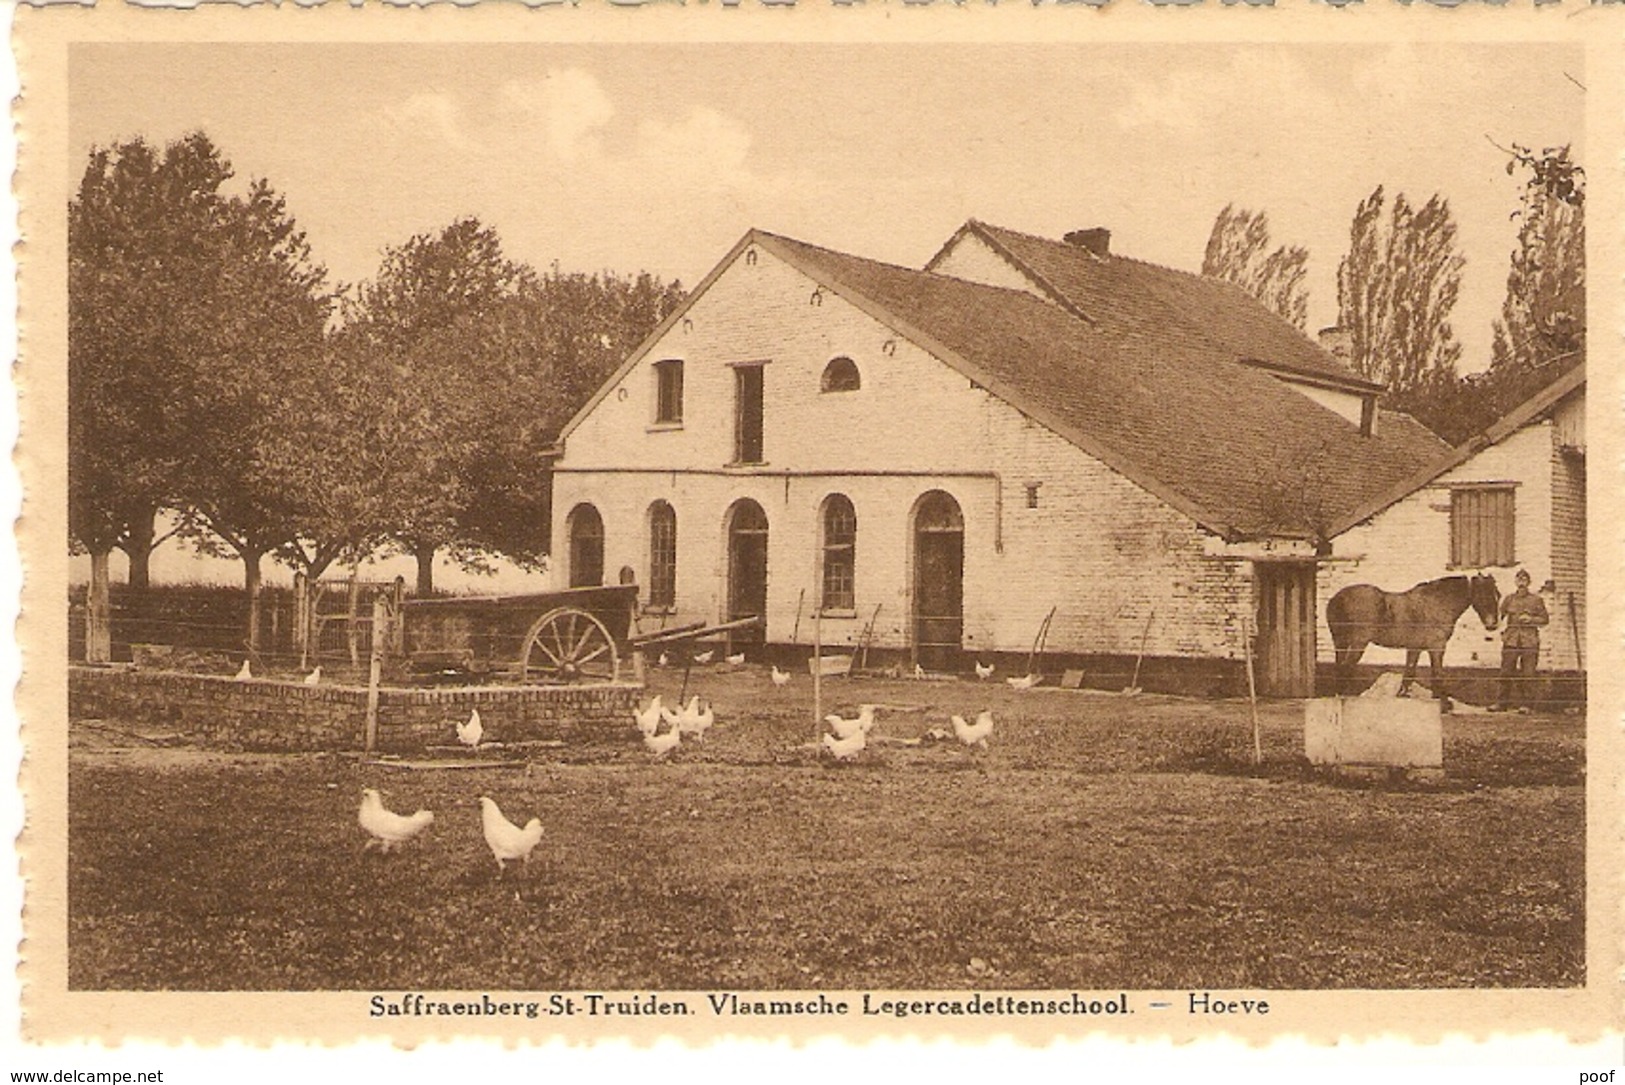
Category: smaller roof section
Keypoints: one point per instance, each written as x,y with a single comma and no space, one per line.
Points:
1570,379
1126,296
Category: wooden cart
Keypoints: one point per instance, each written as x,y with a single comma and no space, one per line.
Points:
548,638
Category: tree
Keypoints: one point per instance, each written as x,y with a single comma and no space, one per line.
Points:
557,343
247,329
427,319
1395,291
128,284
188,307
485,361
1238,251
1544,316
1541,333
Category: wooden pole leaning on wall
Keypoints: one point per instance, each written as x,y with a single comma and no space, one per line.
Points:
1252,687
375,668
818,672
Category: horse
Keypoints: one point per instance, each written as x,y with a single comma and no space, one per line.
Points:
1419,620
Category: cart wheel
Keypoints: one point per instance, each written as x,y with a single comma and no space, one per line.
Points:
568,645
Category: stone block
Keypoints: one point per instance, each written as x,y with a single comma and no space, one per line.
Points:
1390,731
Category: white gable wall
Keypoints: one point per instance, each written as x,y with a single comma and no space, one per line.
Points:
971,258
1099,548
1346,404
764,313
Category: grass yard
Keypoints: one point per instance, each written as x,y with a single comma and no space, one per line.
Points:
1103,842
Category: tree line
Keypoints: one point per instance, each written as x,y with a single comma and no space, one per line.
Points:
1400,280
216,375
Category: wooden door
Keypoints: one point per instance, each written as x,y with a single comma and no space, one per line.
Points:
1285,657
747,569
586,529
939,577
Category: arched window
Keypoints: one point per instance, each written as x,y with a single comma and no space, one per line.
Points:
840,375
586,529
662,555
839,551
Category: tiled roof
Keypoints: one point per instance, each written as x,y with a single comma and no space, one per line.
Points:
1132,294
1166,402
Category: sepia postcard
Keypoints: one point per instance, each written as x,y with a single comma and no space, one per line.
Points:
718,521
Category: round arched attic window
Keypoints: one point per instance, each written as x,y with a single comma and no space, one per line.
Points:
840,375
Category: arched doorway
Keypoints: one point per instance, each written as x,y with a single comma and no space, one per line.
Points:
747,568
586,530
939,573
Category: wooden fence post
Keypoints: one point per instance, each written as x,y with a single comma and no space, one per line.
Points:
301,618
352,611
397,617
380,621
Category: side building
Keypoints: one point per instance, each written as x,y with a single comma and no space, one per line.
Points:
1512,498
954,452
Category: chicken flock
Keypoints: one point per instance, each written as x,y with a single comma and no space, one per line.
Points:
663,729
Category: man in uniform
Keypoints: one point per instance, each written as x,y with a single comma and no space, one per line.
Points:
1522,614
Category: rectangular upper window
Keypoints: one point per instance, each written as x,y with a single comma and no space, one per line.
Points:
1482,526
748,414
669,392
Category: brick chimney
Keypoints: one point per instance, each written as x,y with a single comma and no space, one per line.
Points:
1097,240
1338,341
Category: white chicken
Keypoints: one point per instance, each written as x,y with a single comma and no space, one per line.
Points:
661,745
664,660
675,720
736,659
470,733
845,749
919,671
862,723
974,734
696,722
507,840
1026,681
706,657
314,676
388,828
780,678
243,673
984,673
649,718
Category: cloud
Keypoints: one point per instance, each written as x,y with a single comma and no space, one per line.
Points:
571,107
1254,83
568,117
433,111
705,138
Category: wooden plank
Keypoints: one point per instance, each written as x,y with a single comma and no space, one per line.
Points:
673,632
701,632
426,766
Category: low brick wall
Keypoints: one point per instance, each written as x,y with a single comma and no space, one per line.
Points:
264,714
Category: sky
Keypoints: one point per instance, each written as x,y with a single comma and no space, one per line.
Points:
632,157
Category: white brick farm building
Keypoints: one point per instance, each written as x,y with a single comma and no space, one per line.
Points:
1023,424
1511,499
